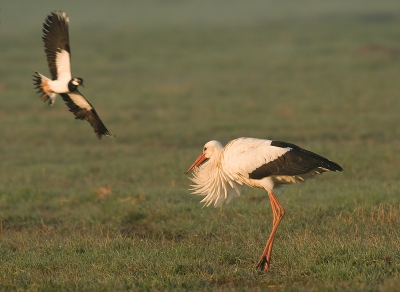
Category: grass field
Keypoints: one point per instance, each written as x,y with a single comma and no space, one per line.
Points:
166,77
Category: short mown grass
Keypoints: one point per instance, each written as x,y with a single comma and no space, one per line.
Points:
117,214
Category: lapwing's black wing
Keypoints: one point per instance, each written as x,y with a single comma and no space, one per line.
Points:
56,45
83,110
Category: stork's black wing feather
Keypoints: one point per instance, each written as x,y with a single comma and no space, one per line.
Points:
83,110
55,38
296,161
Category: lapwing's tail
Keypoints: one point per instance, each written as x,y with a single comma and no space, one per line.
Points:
41,84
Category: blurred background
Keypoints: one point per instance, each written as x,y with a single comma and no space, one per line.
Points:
166,77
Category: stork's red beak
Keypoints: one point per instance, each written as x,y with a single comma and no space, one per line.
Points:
198,161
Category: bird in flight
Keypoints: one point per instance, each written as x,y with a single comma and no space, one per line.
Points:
220,172
58,53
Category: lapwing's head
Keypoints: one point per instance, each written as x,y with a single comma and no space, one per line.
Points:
74,83
77,81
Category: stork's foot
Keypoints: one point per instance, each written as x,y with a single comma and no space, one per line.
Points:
263,264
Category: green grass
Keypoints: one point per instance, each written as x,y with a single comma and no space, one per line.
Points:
81,214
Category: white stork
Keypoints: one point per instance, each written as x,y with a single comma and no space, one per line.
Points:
57,49
219,172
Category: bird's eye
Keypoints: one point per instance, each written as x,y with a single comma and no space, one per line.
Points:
205,148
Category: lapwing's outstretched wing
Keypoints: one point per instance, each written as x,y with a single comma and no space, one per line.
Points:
83,110
56,45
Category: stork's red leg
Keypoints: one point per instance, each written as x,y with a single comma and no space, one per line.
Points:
278,213
281,213
274,211
263,263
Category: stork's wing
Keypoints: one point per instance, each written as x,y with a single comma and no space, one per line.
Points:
83,110
56,45
243,155
256,159
295,162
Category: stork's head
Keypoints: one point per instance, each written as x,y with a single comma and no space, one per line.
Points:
210,150
74,83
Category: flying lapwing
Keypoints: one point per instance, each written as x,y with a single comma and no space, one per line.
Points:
58,53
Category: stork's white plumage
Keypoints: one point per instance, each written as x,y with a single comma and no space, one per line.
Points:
219,173
58,53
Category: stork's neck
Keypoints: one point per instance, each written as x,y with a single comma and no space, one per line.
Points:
215,161
211,181
213,165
